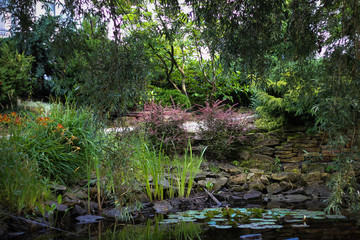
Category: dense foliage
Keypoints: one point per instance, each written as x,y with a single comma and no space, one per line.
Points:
297,61
15,80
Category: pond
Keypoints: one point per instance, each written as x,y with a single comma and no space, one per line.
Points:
216,224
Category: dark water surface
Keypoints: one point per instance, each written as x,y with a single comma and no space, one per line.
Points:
155,228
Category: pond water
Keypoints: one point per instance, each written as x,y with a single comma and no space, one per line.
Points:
217,224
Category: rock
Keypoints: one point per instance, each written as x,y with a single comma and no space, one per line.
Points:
250,176
76,195
292,160
318,191
325,176
221,181
295,198
285,176
78,210
238,188
261,158
233,199
58,187
291,168
89,219
200,176
111,213
310,167
244,155
286,185
256,184
264,150
264,179
277,198
224,174
59,207
237,179
162,207
93,207
299,190
314,205
274,188
312,177
164,183
269,142
253,195
255,170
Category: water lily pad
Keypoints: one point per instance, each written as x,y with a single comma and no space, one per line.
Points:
294,220
221,226
335,216
300,225
212,223
266,227
187,219
170,220
219,219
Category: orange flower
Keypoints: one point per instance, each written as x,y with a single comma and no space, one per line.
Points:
13,114
59,126
17,121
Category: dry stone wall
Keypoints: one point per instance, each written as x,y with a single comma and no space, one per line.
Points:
292,149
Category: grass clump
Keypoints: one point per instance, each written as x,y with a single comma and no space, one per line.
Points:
39,150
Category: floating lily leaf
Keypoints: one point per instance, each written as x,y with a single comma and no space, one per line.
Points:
221,226
187,219
219,219
335,216
212,223
171,220
300,225
294,220
266,227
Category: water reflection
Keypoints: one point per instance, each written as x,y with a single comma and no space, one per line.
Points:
154,230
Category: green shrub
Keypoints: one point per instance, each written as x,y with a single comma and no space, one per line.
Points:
57,143
22,186
168,97
14,74
288,96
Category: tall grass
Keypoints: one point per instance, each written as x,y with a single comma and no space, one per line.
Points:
152,163
158,171
187,168
22,187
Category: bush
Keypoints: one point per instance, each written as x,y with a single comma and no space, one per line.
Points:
14,74
168,97
22,186
164,126
222,131
58,143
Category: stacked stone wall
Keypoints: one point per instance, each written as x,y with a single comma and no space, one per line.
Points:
292,148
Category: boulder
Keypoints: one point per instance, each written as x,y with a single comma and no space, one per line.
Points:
162,206
264,179
256,184
244,155
253,195
274,188
261,158
238,179
295,198
285,176
89,219
264,150
312,177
